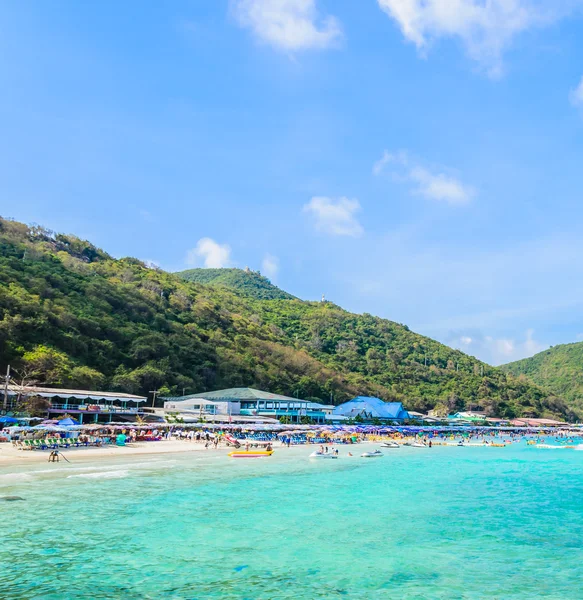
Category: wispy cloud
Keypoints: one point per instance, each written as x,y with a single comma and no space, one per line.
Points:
209,254
439,186
270,266
486,28
439,288
576,95
497,351
383,161
289,25
335,216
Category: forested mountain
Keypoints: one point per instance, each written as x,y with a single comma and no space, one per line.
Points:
71,315
250,283
559,369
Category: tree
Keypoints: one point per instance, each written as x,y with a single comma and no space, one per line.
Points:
47,364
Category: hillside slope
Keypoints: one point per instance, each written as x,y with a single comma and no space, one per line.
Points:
70,315
249,283
560,369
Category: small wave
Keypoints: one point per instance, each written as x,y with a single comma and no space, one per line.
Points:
15,477
102,475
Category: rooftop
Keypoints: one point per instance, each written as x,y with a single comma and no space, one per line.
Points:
372,407
234,395
44,392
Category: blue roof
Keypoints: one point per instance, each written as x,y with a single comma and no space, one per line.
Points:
372,408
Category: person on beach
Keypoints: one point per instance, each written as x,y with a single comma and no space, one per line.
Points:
54,456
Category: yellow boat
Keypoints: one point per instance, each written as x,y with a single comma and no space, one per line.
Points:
250,453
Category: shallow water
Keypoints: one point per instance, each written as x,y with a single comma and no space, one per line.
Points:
441,523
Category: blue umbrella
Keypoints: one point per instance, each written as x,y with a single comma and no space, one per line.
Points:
8,420
68,421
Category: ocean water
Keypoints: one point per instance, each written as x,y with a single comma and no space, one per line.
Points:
441,523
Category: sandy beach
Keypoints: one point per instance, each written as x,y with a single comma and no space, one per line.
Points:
11,456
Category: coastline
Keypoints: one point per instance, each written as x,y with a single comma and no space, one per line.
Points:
10,456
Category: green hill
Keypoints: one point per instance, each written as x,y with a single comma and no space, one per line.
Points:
246,282
70,315
560,369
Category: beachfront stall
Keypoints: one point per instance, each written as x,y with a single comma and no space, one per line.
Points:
246,402
87,406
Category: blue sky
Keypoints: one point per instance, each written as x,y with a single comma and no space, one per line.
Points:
421,161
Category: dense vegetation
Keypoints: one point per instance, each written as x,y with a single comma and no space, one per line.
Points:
70,315
250,283
559,369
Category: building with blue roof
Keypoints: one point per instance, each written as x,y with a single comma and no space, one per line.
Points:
368,408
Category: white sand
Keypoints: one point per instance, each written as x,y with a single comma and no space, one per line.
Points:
10,456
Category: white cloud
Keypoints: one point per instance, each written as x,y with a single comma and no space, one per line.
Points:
485,27
433,185
288,24
210,254
576,95
440,186
335,216
497,351
383,161
270,266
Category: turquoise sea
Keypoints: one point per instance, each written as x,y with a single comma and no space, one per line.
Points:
446,522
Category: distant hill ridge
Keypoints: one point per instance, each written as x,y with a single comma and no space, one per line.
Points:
559,369
250,283
73,316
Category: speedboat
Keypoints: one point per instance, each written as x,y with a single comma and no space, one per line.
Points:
390,445
419,445
374,454
318,454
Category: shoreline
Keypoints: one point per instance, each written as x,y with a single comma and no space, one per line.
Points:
10,456
13,457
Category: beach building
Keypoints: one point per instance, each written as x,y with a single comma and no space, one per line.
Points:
86,406
531,422
246,402
369,408
467,417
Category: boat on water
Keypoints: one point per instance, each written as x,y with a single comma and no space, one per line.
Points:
374,454
390,445
250,453
323,455
419,445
